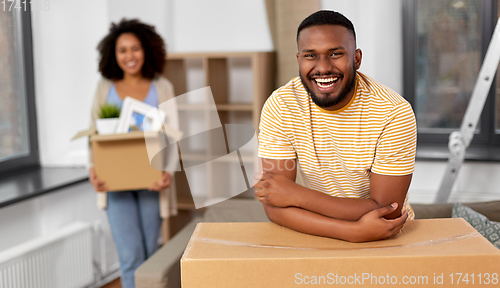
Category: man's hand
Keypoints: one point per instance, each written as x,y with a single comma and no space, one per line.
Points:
99,186
373,226
276,190
162,184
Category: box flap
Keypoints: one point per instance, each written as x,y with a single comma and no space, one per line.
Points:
88,132
125,136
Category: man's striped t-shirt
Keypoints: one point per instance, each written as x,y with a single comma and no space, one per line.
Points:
338,150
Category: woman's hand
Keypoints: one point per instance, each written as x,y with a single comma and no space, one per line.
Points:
99,186
162,184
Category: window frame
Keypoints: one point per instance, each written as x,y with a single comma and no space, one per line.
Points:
487,137
32,160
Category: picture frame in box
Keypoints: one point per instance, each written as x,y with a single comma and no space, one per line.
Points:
139,116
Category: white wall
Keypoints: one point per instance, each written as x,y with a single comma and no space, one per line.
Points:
220,25
378,26
153,12
65,55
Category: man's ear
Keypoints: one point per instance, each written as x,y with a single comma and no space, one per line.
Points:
298,57
357,58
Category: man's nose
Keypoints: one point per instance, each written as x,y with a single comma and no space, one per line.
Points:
324,65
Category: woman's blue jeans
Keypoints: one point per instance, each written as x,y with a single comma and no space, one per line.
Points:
134,218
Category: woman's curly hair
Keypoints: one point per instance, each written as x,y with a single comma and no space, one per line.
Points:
152,44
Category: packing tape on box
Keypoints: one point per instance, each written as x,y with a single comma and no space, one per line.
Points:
253,245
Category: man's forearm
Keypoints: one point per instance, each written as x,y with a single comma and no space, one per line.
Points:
384,190
311,223
281,191
336,207
372,226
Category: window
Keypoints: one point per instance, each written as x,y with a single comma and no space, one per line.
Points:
18,138
444,45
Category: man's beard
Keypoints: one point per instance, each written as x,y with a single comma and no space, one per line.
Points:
329,102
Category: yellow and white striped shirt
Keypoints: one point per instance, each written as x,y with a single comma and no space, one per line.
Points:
338,150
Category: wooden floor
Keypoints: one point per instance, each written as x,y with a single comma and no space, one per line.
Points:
115,284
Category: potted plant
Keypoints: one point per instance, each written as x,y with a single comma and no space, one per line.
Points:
108,119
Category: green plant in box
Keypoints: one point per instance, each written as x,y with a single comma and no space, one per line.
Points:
108,119
109,111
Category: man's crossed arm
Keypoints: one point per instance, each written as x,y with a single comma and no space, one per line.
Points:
309,211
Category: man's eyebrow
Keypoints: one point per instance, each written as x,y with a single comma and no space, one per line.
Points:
337,48
329,50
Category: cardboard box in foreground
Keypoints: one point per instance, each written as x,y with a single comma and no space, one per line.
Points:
427,253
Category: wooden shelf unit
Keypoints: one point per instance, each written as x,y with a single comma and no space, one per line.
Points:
216,70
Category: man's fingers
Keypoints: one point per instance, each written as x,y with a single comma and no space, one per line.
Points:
401,219
399,222
258,176
397,227
259,193
381,212
395,230
261,183
258,185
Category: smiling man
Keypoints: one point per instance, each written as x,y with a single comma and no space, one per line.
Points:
354,138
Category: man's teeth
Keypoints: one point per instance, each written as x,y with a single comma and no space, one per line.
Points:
326,82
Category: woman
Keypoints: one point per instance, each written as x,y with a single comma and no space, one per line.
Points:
132,57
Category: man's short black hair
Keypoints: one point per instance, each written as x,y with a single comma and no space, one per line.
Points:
326,17
152,44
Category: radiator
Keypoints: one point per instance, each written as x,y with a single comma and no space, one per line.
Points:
60,260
